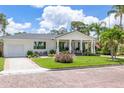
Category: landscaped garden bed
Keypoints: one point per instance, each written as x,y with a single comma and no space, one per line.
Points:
1,64
78,61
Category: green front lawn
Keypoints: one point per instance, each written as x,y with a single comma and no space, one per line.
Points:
79,61
1,64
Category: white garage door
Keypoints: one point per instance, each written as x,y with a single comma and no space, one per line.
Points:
16,50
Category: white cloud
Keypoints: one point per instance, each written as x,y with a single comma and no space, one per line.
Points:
38,6
90,20
14,27
41,30
54,17
59,16
111,21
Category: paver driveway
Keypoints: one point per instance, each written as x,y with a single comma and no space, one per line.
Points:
21,65
92,77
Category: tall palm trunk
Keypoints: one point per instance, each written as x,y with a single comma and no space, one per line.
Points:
121,17
112,54
98,37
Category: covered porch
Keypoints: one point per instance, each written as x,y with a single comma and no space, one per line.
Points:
75,46
75,42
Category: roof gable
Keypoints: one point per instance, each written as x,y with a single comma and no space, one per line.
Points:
76,35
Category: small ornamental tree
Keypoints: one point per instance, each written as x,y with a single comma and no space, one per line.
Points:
111,38
3,22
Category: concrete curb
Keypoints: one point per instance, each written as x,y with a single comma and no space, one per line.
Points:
85,67
23,72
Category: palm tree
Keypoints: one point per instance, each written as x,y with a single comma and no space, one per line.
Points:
119,11
98,28
3,22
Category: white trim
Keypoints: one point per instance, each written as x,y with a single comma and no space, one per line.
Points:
70,47
57,46
81,48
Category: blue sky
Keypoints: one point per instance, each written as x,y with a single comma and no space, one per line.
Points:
99,11
27,13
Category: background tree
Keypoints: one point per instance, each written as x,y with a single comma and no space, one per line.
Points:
80,26
62,30
98,28
77,25
119,11
20,33
3,22
111,38
54,31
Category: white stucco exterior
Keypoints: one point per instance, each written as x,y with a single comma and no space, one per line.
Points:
27,45
19,47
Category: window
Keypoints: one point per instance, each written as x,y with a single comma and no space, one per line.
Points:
39,45
61,45
79,45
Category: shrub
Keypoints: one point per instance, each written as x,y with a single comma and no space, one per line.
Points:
121,50
98,50
64,57
66,48
36,54
52,51
1,54
105,51
51,55
77,48
32,54
29,54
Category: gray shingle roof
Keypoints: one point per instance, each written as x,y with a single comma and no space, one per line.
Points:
34,36
30,36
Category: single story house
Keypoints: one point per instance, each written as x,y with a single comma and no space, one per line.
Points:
18,45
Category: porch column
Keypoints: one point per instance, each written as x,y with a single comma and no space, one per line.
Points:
57,46
81,49
70,46
92,47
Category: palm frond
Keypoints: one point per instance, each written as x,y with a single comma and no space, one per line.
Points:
116,6
111,12
117,15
